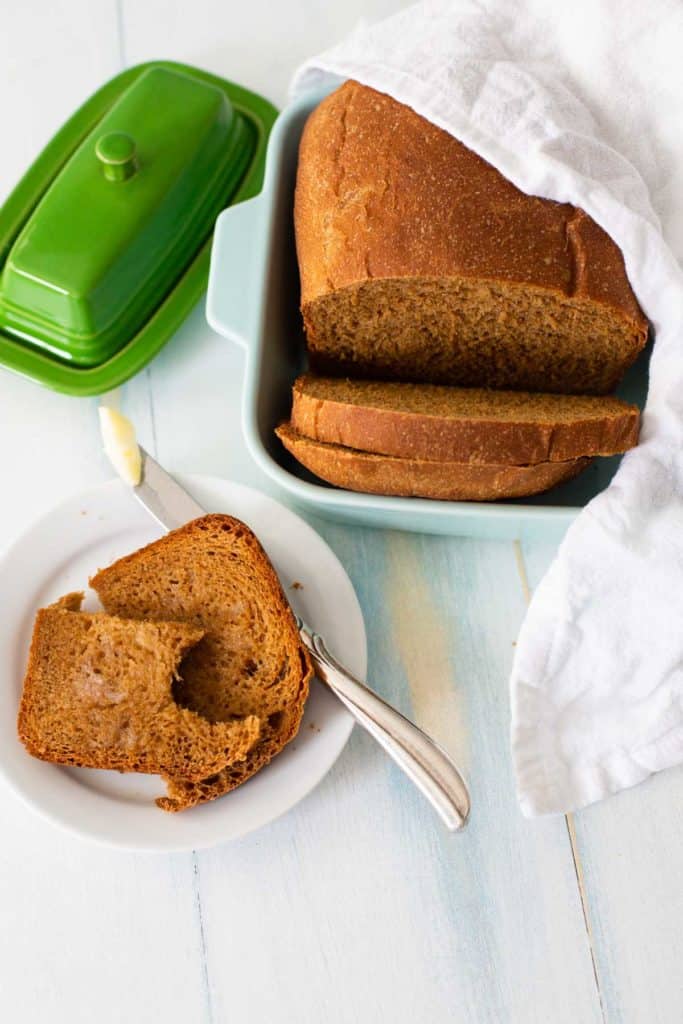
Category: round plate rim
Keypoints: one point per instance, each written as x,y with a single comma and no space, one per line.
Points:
343,729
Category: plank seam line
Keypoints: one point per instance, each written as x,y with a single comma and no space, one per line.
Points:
202,939
569,822
521,569
120,31
152,415
578,871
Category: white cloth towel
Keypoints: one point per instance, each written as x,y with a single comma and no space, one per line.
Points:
582,103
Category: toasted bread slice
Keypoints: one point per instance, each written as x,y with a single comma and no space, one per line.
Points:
474,425
422,478
97,694
214,575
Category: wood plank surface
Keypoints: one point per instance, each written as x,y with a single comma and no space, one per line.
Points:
630,852
356,906
85,933
359,900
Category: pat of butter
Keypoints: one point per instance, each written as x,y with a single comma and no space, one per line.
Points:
120,444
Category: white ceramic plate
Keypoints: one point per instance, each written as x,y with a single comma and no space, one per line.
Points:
89,531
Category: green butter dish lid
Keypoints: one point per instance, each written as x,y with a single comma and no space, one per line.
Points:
104,244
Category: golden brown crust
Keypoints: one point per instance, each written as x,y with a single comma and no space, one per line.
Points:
420,478
426,421
382,193
214,573
391,210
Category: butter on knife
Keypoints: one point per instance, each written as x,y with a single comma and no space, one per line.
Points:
120,445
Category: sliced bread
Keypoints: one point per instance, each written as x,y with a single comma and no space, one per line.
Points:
423,478
214,575
469,425
419,261
98,694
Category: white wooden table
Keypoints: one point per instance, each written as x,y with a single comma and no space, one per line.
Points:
355,907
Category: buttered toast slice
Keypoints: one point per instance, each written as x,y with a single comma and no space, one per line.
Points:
98,694
214,575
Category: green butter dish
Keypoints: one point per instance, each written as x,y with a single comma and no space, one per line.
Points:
105,242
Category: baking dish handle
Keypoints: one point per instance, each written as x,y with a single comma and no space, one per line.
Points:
230,306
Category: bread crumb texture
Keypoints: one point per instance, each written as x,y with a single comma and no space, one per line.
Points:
98,694
214,576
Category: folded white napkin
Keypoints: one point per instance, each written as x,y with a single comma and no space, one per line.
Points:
582,103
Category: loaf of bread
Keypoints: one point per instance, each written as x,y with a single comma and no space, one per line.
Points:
419,261
356,470
98,694
214,575
462,425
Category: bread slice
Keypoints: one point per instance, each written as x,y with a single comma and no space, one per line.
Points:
214,575
97,694
422,478
472,425
419,261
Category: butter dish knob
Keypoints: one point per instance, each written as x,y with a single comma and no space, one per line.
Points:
117,154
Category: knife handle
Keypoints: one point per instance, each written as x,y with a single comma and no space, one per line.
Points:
422,760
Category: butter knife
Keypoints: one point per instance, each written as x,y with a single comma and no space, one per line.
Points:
422,760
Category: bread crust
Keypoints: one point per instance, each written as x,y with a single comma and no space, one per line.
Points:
383,195
356,470
382,418
381,192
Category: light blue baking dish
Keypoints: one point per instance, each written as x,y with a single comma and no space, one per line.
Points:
253,299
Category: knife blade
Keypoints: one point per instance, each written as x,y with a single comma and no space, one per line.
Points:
163,497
